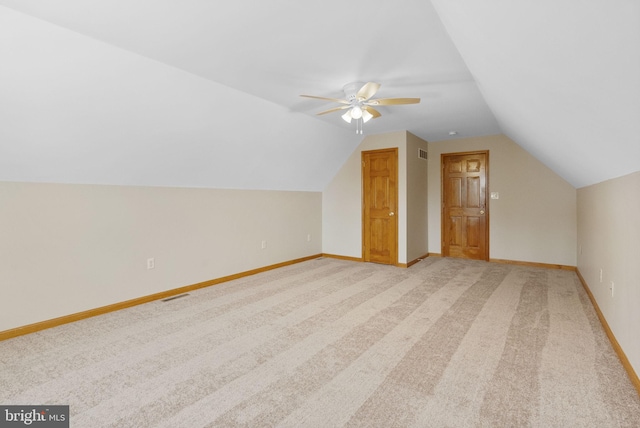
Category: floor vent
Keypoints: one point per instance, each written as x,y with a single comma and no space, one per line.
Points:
168,299
422,154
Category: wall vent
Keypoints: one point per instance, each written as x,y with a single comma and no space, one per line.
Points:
168,299
422,154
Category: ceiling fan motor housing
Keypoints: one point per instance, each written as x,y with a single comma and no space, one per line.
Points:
351,89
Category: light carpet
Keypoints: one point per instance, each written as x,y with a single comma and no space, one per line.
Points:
331,343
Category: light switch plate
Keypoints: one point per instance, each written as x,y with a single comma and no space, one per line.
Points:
495,195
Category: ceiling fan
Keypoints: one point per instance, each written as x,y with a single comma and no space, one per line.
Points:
359,104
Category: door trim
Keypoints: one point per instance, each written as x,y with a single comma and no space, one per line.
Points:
486,198
394,250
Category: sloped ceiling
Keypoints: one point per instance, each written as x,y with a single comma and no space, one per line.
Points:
562,78
205,94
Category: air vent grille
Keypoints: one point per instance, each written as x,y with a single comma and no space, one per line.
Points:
168,299
422,154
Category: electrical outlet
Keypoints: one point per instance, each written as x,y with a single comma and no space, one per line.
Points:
151,263
611,288
263,245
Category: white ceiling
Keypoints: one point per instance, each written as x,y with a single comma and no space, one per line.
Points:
202,93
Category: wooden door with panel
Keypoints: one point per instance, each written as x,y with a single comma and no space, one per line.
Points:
379,206
465,215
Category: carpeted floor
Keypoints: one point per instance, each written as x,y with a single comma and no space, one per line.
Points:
330,343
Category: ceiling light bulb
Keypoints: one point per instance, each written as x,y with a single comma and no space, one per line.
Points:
356,112
366,116
347,117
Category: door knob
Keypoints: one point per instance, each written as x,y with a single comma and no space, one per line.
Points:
391,214
481,212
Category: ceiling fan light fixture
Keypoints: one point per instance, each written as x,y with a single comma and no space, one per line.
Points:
347,116
356,112
366,116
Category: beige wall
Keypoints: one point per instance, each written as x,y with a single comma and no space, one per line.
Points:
342,200
417,199
608,236
534,220
69,248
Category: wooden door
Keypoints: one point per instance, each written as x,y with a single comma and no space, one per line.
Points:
379,206
465,214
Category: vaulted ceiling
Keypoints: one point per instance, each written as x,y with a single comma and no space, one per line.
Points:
206,93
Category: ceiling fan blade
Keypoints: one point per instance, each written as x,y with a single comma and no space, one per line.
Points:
331,110
392,101
368,90
375,113
335,100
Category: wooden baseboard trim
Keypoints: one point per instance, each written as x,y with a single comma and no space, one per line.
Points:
413,262
633,376
359,259
521,263
534,264
32,328
335,256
